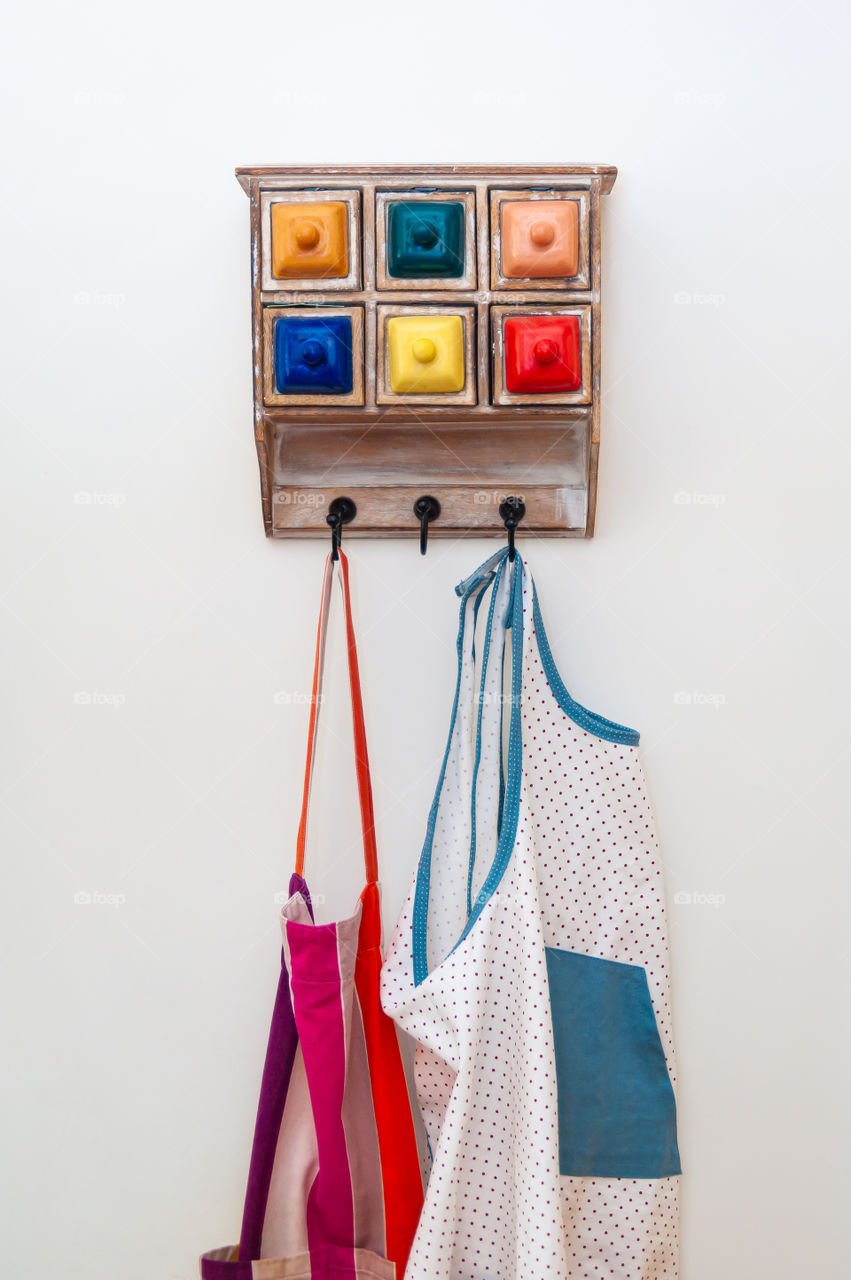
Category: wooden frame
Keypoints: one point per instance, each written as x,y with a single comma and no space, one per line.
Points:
386,455
445,284
271,396
383,392
559,511
582,278
500,395
272,283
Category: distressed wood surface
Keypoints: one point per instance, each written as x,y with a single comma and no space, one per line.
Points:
606,172
463,509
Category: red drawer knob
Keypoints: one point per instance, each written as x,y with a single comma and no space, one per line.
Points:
546,351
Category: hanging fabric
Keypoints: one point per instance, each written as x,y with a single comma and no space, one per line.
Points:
334,1187
530,964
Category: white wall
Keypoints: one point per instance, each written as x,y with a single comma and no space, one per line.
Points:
135,1032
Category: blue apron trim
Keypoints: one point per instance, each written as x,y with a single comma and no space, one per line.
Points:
588,720
617,1116
476,584
511,812
479,713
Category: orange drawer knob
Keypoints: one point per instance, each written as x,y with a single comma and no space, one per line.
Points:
540,239
542,354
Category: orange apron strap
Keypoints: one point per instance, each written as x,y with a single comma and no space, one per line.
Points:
361,757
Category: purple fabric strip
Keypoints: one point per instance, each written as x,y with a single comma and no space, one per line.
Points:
319,992
280,1054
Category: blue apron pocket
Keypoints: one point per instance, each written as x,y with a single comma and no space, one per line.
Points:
616,1111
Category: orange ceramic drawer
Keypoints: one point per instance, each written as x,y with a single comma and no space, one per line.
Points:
310,240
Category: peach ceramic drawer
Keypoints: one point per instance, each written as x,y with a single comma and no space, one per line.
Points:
540,239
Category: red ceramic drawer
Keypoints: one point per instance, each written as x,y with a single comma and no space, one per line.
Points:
541,355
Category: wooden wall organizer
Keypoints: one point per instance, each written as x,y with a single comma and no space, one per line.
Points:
476,442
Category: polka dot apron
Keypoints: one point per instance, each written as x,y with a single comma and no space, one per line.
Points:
530,965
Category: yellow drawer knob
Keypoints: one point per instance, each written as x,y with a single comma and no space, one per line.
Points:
424,350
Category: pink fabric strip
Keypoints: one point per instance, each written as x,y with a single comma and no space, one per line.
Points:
318,1004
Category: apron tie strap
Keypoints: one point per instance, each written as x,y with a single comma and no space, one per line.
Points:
361,758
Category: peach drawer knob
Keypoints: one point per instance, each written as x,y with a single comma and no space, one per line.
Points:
424,350
542,234
545,351
307,235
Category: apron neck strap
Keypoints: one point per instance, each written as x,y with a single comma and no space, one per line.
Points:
361,759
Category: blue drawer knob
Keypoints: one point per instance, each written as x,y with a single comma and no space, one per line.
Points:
313,353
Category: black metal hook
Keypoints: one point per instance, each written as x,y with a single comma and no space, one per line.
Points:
512,511
426,508
341,511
